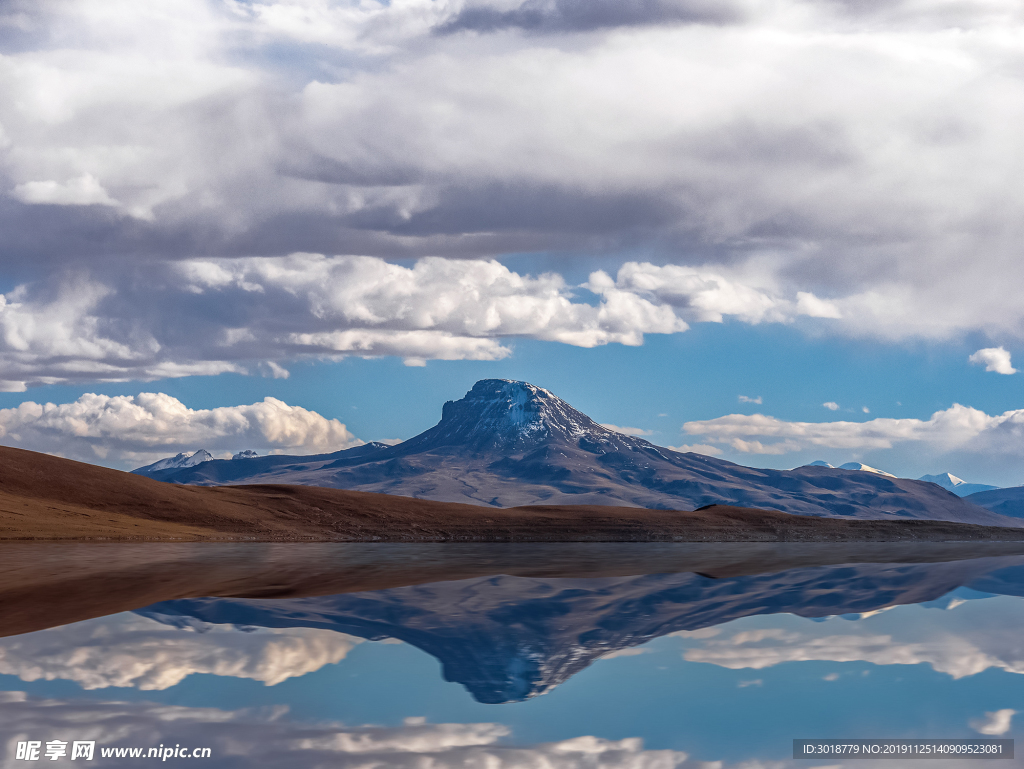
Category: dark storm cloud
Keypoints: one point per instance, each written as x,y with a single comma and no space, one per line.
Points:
561,16
778,148
525,207
319,168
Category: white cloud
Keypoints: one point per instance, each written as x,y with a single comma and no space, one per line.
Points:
831,405
810,305
84,190
958,427
629,651
148,426
254,314
274,371
995,359
627,430
748,399
994,723
697,448
132,651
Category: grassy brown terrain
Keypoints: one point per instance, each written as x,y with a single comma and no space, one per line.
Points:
48,498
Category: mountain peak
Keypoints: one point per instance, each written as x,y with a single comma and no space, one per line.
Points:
179,460
958,486
511,416
865,468
946,480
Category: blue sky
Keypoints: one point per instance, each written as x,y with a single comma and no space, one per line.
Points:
358,210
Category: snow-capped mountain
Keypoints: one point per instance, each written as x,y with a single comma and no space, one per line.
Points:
499,415
958,486
865,468
818,463
511,443
247,454
176,462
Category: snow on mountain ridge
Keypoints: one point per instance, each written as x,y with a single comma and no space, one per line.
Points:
865,468
958,486
512,416
945,480
178,460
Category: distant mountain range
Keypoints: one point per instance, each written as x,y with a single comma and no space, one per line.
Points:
177,462
1008,502
511,443
848,466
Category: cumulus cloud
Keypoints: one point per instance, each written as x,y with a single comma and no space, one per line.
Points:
831,405
702,294
148,426
132,651
84,190
958,427
209,316
748,399
461,128
995,359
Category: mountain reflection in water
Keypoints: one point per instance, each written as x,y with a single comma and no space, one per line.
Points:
510,638
261,650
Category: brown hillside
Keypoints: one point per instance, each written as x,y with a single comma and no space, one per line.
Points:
46,497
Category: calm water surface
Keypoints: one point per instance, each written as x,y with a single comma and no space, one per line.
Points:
640,656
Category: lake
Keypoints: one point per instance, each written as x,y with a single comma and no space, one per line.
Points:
645,656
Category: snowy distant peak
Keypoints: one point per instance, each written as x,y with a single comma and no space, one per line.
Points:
247,454
819,463
865,468
507,415
958,486
945,480
178,460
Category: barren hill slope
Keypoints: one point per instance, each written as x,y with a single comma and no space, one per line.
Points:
46,497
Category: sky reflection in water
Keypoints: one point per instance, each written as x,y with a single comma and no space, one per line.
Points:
619,671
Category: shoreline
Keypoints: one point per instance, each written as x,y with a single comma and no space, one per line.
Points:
43,584
715,525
